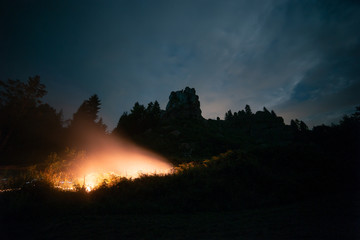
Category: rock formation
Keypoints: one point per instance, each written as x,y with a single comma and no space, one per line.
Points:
183,104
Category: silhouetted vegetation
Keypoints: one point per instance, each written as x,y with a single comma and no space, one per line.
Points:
29,128
249,160
139,119
85,121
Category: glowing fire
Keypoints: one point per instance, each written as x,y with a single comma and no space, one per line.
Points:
110,160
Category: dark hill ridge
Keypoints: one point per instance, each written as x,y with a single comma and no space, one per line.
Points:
181,132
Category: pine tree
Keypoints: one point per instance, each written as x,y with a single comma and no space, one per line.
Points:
87,115
228,115
88,110
248,110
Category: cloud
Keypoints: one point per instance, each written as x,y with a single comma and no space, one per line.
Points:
328,87
295,57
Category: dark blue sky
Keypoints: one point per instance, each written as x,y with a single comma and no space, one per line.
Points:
300,58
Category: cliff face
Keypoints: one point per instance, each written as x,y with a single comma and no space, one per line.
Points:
184,104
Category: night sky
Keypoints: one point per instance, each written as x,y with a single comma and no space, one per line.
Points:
299,58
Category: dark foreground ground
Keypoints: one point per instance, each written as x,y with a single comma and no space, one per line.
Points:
323,218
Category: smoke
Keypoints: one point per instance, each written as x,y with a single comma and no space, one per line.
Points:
106,156
122,158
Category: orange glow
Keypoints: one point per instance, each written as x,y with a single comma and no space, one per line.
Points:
108,160
93,180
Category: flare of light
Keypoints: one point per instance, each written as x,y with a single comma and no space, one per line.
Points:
111,159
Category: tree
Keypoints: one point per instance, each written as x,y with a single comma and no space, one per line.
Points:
16,100
87,114
22,94
139,119
138,111
273,114
86,123
153,109
228,115
28,127
248,110
355,117
152,114
101,125
88,110
295,124
303,127
298,126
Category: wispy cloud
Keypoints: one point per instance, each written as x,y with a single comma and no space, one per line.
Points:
297,57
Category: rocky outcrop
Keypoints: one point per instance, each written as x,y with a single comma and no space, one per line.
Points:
183,104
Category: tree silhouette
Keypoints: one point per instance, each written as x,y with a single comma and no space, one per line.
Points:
88,114
26,124
248,110
138,111
140,119
15,92
88,110
273,113
228,115
16,100
298,126
85,123
153,114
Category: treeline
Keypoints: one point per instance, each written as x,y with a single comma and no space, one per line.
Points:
184,139
248,160
139,119
30,129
